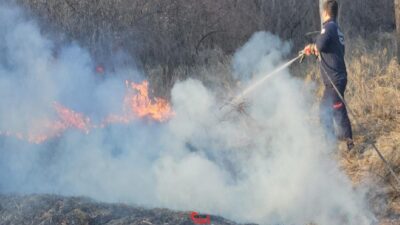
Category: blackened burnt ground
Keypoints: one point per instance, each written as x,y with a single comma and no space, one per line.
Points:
52,209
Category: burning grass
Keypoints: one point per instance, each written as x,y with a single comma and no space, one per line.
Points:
137,104
373,94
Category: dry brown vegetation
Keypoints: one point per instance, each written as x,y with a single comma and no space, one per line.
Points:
374,95
171,33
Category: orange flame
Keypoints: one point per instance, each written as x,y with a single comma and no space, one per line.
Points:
137,105
71,119
141,105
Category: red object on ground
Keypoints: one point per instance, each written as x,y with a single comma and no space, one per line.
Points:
200,219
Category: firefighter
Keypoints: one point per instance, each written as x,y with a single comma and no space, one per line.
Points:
330,48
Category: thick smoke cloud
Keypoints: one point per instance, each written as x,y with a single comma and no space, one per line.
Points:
269,165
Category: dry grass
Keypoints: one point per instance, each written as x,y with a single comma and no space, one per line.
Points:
170,33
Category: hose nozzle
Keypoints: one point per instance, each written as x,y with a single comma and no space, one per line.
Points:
302,55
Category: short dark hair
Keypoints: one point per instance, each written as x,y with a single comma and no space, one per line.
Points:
331,7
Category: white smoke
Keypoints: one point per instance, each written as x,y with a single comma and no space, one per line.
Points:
261,53
270,166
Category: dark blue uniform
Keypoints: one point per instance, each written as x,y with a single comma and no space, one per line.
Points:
331,46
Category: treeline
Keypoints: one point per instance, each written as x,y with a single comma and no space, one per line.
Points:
170,33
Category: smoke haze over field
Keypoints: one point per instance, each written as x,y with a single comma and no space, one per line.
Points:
270,167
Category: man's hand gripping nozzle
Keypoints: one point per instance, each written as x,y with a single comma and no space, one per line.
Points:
309,50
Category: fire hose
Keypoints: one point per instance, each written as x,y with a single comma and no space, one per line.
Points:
240,97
